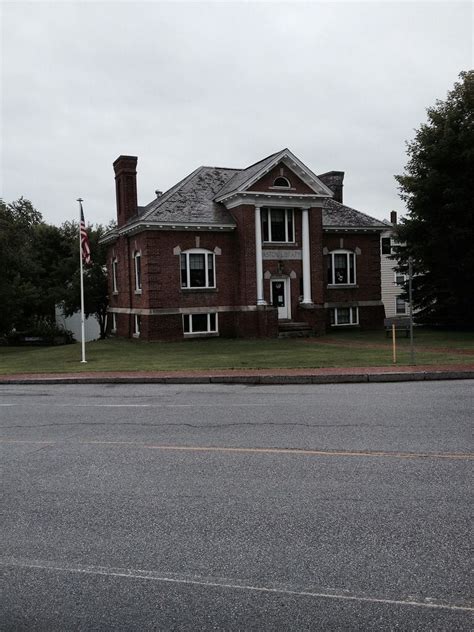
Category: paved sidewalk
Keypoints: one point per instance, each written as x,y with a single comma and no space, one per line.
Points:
253,376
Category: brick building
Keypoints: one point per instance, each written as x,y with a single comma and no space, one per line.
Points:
241,252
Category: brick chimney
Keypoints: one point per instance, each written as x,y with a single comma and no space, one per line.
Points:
125,168
334,180
393,217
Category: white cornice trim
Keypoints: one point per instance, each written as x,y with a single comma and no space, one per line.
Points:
109,237
146,226
294,200
352,229
166,311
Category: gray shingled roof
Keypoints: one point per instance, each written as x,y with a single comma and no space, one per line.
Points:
339,215
192,199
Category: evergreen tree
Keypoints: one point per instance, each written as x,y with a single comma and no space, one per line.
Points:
438,189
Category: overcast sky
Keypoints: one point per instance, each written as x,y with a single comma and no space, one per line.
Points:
180,85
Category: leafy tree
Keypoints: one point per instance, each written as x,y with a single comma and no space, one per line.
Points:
18,293
438,189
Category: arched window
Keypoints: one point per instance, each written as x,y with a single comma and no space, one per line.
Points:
114,275
282,182
198,269
138,271
341,268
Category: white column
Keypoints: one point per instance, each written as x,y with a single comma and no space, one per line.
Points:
258,256
306,263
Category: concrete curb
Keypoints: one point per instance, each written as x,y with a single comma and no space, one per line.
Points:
335,378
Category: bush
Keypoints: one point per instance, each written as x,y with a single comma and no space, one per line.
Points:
42,334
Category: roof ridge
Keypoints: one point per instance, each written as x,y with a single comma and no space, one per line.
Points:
226,168
266,158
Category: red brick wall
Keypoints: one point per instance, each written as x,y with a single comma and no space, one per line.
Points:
162,274
367,267
236,278
125,168
368,277
245,257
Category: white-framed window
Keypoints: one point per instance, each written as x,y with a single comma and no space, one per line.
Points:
282,182
399,278
386,243
114,275
198,269
138,271
400,306
113,327
278,225
137,324
344,316
200,323
341,267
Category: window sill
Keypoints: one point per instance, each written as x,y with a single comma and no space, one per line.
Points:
198,290
136,335
138,291
280,243
202,334
115,293
342,286
345,325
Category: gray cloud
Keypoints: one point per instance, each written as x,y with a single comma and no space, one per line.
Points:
343,85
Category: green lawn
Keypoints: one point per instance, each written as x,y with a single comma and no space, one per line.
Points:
341,349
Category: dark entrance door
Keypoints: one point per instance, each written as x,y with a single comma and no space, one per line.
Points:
279,297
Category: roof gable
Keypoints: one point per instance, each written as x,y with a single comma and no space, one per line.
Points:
247,178
266,182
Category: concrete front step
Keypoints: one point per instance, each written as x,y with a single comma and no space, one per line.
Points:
289,325
290,329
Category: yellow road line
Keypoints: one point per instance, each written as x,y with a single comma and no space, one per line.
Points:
283,451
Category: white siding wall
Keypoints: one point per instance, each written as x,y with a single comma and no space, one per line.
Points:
73,323
390,290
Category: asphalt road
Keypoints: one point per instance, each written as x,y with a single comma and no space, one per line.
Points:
335,507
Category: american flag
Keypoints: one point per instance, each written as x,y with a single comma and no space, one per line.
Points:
86,250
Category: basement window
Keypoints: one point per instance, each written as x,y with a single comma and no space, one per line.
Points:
344,316
200,323
137,323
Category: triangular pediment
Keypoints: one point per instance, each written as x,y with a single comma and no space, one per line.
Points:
263,177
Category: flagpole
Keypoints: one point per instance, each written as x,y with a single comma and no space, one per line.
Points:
83,338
